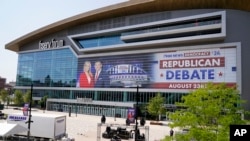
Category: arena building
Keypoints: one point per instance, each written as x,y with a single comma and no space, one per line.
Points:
160,46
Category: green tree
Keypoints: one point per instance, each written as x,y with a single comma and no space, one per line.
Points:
156,105
9,100
27,97
4,96
18,98
209,113
42,102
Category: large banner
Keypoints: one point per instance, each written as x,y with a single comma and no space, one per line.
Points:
131,115
122,71
186,69
26,109
191,69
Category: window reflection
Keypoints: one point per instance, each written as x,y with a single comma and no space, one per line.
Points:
53,68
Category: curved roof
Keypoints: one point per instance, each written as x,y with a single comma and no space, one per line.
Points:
127,8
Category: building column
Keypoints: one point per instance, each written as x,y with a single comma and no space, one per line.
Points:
71,94
96,95
125,96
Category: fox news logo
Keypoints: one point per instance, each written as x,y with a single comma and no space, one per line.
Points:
239,132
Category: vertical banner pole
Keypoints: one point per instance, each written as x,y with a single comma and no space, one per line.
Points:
29,121
136,112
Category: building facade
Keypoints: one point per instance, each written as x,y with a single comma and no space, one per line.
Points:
145,47
2,83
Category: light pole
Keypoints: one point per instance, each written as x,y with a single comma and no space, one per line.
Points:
29,121
136,113
8,97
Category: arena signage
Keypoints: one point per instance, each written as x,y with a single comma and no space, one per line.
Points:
181,69
192,69
84,100
51,44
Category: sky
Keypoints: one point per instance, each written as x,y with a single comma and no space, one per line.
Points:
20,17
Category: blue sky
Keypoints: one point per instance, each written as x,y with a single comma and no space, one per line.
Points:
19,17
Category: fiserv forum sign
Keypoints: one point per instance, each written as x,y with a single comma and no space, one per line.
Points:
50,44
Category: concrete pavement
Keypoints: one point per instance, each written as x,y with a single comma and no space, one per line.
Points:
84,127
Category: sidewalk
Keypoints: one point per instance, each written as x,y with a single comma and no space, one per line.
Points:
84,127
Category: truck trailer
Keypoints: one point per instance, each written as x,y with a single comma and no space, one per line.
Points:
42,126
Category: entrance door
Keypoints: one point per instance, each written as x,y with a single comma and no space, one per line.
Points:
65,108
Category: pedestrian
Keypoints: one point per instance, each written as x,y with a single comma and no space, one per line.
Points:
142,121
69,111
171,132
127,122
103,119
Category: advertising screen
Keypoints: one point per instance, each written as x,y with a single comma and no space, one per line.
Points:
184,69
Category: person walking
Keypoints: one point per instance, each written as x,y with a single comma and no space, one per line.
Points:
171,132
103,119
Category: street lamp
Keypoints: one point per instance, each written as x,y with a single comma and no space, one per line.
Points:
29,120
136,112
8,97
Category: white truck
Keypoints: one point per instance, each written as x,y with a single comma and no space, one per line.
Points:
43,126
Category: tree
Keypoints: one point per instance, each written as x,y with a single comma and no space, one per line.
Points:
156,105
42,102
4,95
27,97
209,113
18,98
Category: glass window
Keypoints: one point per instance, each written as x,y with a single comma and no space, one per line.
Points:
101,41
55,68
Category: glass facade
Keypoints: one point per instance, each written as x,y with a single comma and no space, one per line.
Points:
109,96
116,39
55,73
114,96
101,41
50,68
192,23
58,68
